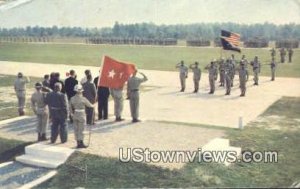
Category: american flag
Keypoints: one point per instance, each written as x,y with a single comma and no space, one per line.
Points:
230,40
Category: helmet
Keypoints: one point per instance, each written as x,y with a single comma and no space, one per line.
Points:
38,85
78,88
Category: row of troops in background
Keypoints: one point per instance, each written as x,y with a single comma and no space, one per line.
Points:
59,100
227,70
282,53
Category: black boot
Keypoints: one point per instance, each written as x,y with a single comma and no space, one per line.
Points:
80,144
39,137
119,119
43,137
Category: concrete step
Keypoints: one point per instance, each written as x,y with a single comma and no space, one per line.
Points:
238,152
44,151
37,161
217,144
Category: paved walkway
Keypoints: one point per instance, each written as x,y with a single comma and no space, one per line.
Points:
164,102
107,137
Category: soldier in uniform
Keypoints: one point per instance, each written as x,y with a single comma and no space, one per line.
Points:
273,53
222,72
244,61
183,74
282,55
70,83
117,95
243,76
290,52
227,75
78,104
256,69
58,106
20,89
273,68
232,70
40,109
212,71
90,93
133,85
197,75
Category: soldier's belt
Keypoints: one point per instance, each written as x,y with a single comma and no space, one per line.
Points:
55,108
134,90
79,110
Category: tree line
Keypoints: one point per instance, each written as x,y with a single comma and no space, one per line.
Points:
207,31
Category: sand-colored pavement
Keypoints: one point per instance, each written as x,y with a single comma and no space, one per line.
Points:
165,102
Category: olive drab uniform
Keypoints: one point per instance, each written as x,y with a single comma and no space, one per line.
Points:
273,53
243,77
290,52
282,55
78,104
256,69
212,72
273,69
20,89
133,85
58,107
196,77
183,73
41,110
117,95
232,71
228,77
222,72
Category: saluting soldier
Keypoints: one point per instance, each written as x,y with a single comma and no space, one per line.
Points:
290,52
243,76
212,71
78,104
197,75
20,89
273,53
282,55
58,106
232,70
117,95
222,72
183,74
273,68
40,109
256,69
228,77
133,85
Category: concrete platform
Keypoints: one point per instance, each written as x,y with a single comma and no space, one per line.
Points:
222,147
47,156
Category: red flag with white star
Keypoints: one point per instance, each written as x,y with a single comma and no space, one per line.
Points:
114,73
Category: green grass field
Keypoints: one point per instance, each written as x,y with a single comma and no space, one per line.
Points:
145,57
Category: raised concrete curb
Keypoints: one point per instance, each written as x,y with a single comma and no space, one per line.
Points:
39,180
221,145
47,156
14,119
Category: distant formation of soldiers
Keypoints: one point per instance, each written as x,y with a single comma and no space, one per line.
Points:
227,69
57,100
282,53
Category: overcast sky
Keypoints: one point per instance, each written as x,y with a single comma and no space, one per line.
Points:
99,13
